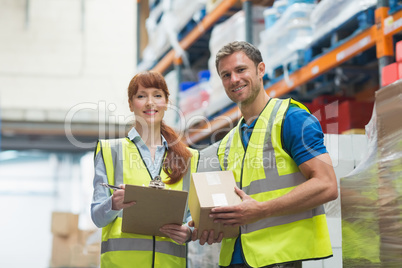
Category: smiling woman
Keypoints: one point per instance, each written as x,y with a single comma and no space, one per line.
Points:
148,97
150,149
149,104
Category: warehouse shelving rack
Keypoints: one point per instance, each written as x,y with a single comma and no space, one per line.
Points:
380,35
208,21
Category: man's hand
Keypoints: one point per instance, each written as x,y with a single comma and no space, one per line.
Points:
118,199
178,233
246,212
206,236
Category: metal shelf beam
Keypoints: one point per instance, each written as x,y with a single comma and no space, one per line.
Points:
207,22
386,26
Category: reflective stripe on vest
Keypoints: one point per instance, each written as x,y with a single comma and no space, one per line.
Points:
122,244
265,171
124,165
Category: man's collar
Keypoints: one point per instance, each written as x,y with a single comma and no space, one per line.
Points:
243,123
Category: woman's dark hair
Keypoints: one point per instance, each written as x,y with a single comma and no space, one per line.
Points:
177,160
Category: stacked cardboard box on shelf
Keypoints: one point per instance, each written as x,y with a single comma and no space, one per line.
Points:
71,246
371,196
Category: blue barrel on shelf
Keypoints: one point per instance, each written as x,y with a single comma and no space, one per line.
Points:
204,75
186,85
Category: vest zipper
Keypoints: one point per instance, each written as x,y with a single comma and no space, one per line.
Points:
153,251
241,185
160,169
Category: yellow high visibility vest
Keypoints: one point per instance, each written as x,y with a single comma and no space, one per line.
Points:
124,165
265,171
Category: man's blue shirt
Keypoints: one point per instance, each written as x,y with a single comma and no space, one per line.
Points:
302,138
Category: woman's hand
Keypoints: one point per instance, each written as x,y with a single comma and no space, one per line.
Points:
118,199
179,233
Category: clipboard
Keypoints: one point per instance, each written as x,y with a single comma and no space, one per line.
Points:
154,208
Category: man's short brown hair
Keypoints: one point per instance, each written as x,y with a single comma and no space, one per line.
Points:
251,52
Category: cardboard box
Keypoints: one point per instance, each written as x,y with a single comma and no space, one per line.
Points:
209,190
64,223
72,247
62,250
84,235
69,251
81,257
153,209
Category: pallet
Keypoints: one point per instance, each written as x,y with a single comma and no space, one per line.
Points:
340,35
278,71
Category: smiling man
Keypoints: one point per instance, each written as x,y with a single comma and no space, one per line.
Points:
282,169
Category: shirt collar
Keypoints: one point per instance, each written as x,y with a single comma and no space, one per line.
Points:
135,137
243,124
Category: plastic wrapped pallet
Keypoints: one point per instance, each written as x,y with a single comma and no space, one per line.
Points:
371,196
164,24
71,246
233,29
329,14
290,33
